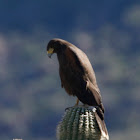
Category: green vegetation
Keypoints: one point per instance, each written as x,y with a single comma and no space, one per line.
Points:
78,123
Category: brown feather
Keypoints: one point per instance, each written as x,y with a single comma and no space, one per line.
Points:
76,73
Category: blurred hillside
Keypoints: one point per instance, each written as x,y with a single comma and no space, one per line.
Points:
31,98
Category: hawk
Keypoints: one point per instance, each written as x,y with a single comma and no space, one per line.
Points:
76,74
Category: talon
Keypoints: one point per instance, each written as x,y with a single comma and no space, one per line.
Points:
67,108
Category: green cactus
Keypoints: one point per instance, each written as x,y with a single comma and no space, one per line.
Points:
79,123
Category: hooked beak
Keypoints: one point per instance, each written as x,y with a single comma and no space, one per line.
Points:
49,55
50,52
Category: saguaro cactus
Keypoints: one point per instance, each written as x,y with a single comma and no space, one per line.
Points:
80,123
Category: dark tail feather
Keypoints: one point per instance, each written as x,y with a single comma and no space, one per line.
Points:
100,112
101,123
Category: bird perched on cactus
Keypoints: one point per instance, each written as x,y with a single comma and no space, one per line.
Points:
77,75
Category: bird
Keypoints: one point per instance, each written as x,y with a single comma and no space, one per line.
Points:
76,74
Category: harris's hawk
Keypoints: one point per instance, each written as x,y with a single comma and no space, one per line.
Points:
76,73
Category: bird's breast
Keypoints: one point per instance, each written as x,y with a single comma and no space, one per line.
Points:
72,81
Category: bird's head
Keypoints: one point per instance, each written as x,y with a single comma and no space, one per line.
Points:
55,46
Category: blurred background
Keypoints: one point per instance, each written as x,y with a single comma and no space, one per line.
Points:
32,101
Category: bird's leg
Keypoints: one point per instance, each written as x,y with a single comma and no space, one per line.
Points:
77,102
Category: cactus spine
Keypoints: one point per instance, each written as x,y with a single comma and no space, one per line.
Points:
79,123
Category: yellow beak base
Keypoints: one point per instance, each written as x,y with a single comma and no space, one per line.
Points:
50,51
